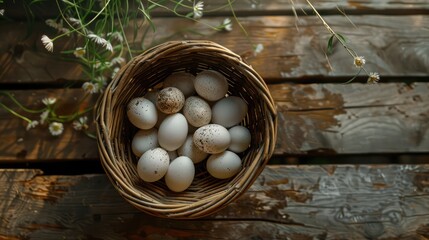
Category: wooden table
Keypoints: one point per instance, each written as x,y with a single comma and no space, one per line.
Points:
351,161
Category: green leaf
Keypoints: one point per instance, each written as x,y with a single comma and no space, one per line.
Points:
342,37
330,47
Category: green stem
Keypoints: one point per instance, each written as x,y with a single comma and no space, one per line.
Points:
333,32
83,25
15,113
19,104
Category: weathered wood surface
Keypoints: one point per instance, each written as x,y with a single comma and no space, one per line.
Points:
16,10
286,202
313,119
387,42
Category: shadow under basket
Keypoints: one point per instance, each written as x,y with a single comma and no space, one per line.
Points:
206,195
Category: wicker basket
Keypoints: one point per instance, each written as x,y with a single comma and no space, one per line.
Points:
206,195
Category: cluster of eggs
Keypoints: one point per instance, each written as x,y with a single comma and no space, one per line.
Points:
191,119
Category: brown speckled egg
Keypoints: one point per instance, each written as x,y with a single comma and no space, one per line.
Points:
197,111
212,138
170,100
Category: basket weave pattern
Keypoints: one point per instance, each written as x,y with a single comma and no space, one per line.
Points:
206,195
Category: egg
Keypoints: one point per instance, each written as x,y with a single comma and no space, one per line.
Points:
144,140
173,131
153,165
223,165
211,85
212,138
197,111
190,150
229,111
183,81
180,174
142,113
170,100
240,139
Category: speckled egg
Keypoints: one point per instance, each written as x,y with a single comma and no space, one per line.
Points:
229,111
223,165
153,165
180,174
211,85
144,140
197,111
183,81
190,150
212,138
240,139
170,100
142,113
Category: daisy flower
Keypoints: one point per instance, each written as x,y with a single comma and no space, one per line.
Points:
227,24
90,87
198,9
44,116
48,43
101,41
49,101
79,52
258,49
74,21
359,61
373,78
56,128
32,124
80,124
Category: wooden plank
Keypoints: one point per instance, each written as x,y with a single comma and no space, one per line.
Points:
18,144
293,202
16,10
313,119
353,118
387,42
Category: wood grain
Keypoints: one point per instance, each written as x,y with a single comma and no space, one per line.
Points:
313,119
294,202
18,144
15,9
289,54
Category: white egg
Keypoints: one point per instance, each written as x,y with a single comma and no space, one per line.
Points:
223,165
144,140
142,113
172,132
170,100
229,111
240,139
180,174
212,138
197,111
183,81
190,150
153,165
211,85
